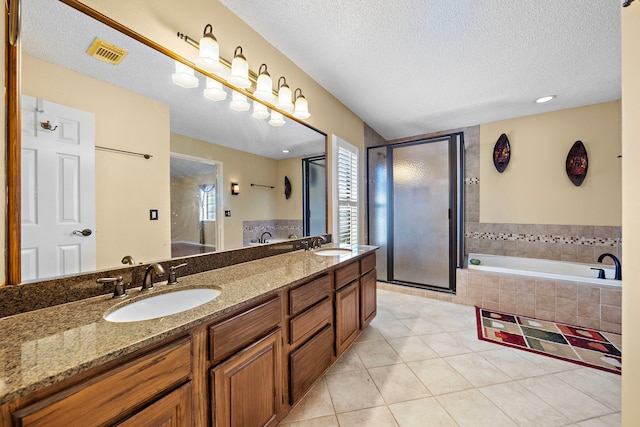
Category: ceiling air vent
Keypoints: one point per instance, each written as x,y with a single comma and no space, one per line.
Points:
106,52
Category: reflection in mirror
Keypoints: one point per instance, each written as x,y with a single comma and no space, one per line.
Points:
140,119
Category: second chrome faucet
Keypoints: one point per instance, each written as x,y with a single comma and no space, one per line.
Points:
147,281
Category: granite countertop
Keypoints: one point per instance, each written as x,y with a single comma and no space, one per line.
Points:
44,346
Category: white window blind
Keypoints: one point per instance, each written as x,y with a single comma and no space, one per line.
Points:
207,202
347,160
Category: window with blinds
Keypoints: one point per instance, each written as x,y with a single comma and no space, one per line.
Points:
347,182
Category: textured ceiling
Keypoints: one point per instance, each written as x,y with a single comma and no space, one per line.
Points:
148,72
409,67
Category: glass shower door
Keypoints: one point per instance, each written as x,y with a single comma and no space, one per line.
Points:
421,213
414,207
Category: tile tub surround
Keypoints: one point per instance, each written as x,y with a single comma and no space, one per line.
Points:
33,296
561,301
42,347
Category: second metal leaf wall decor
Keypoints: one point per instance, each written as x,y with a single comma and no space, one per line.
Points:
577,163
501,153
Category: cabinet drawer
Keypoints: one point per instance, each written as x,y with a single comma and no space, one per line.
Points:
309,322
309,362
368,263
306,295
102,400
239,331
347,274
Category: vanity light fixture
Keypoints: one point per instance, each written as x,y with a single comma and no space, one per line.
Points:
209,52
184,76
260,111
284,95
277,119
239,76
264,85
214,90
546,98
235,188
301,106
239,102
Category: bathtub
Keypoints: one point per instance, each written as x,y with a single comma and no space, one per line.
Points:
547,269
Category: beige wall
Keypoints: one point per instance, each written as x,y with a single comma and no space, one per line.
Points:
253,203
126,186
159,21
630,212
535,189
290,208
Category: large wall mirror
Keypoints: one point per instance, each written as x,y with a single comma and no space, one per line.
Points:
162,157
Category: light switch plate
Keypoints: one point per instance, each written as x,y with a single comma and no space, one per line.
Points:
153,214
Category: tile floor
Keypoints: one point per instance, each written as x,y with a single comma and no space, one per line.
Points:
420,363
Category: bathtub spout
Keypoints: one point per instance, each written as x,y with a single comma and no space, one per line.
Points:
616,261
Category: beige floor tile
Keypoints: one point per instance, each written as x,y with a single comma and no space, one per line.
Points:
613,420
412,349
549,364
512,363
316,403
522,406
471,408
348,362
469,337
603,386
445,345
566,399
439,377
376,353
477,370
370,333
372,417
397,383
329,421
421,413
393,329
422,326
351,391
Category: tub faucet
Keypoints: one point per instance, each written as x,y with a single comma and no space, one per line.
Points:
262,240
616,261
147,282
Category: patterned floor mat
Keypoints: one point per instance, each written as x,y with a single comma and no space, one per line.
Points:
584,346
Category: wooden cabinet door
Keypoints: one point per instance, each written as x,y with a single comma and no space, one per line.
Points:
347,316
246,389
368,299
173,410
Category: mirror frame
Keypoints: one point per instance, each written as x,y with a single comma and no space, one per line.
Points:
13,268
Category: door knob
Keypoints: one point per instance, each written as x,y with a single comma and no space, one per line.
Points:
86,232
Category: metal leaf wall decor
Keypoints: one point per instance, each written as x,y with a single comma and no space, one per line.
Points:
501,153
577,163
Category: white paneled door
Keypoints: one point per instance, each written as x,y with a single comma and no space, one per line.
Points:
58,190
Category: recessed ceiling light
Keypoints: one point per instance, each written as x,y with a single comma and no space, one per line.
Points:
545,99
285,151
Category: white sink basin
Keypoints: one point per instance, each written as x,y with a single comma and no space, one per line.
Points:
162,305
333,252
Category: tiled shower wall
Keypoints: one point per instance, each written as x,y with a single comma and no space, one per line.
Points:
576,243
279,229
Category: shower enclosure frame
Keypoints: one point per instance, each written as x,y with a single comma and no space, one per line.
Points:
456,207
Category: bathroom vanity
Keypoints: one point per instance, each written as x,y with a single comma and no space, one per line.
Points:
244,358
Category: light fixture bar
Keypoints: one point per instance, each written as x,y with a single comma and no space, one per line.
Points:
252,76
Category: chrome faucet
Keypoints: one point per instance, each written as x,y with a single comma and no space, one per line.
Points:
173,277
261,239
147,281
128,259
616,261
317,242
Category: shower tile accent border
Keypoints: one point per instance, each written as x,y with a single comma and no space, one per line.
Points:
572,243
